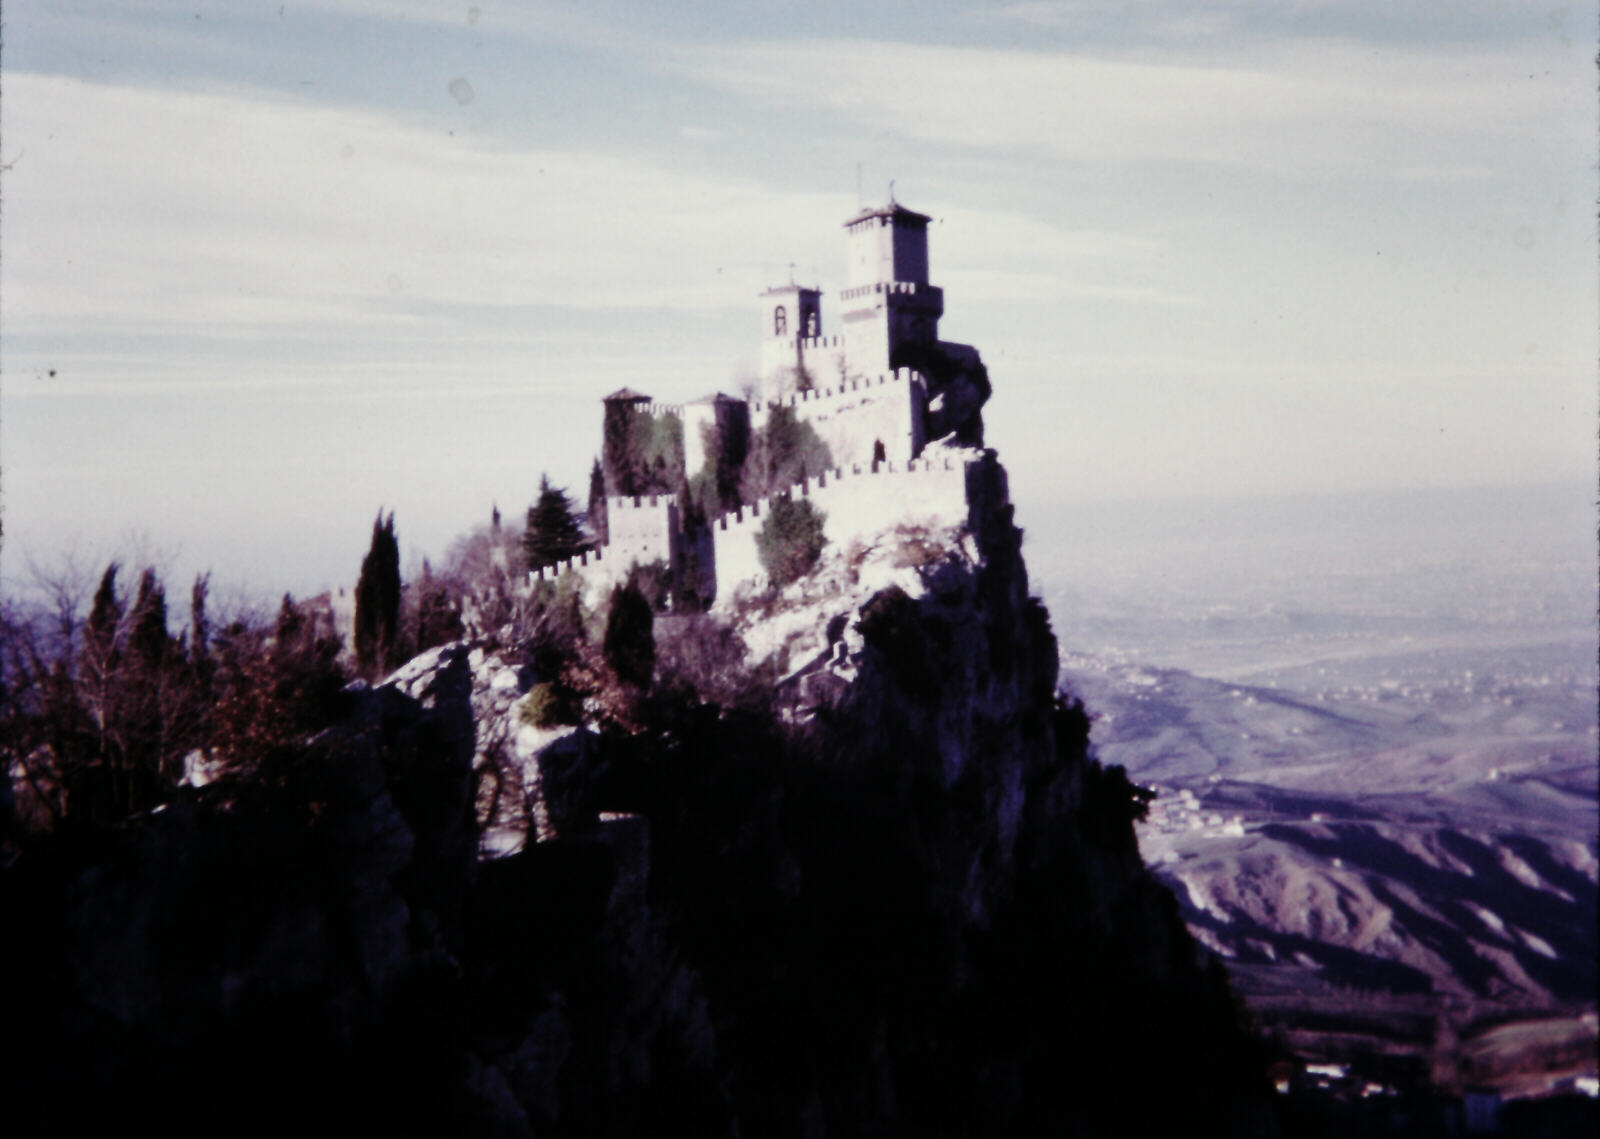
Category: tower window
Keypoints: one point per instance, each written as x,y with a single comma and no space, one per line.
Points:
811,325
780,320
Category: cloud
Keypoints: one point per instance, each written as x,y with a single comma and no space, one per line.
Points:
1371,21
236,235
238,212
1302,109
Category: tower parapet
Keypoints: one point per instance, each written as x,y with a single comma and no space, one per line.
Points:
888,303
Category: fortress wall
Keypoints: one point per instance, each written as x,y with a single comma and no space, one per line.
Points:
658,410
852,415
824,360
822,356
858,504
641,531
641,528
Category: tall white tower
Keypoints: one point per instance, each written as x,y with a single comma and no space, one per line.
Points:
888,302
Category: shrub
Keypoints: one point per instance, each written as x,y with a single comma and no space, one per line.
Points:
917,547
791,540
542,707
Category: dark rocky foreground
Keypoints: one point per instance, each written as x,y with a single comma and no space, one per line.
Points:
921,911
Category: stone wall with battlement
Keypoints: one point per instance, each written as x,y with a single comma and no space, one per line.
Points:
852,416
660,409
905,288
857,501
823,358
642,530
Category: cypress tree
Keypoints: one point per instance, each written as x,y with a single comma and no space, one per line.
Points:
599,524
105,614
378,598
630,643
148,638
199,624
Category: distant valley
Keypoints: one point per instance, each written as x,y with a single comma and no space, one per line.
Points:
1374,747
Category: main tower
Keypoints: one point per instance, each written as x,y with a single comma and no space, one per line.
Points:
888,302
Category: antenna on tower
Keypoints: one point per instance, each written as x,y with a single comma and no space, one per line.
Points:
891,191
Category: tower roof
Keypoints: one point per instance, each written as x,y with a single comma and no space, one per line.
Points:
625,395
893,210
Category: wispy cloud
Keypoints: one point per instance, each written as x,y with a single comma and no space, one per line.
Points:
1300,109
135,208
1372,21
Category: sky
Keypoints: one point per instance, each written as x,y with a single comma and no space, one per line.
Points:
266,268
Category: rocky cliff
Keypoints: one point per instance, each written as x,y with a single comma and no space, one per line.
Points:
849,866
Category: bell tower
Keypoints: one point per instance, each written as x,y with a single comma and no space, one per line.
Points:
790,314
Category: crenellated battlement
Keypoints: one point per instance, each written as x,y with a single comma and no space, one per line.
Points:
845,388
858,503
641,529
836,479
657,410
810,343
550,572
902,288
638,501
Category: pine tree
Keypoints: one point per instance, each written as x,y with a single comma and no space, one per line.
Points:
378,598
554,533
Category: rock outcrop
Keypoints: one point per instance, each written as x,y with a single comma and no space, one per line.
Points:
883,888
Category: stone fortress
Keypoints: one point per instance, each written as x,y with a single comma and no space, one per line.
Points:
898,409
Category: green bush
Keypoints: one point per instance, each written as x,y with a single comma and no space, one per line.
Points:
542,708
791,540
